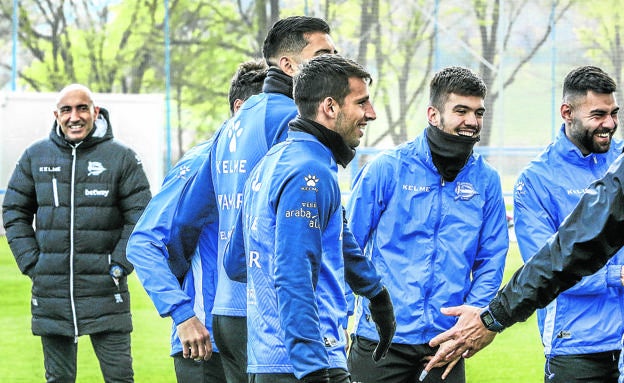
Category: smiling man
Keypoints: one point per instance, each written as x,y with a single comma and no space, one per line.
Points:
293,236
431,216
261,123
87,191
580,343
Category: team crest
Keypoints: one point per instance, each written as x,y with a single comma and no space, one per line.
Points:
95,168
465,191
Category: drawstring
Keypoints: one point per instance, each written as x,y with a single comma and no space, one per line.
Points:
550,374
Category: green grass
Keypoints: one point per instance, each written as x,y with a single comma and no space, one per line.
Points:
20,351
515,355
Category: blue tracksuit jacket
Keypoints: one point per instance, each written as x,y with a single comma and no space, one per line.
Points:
261,122
292,225
587,318
435,243
160,269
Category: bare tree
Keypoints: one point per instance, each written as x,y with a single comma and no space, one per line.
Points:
489,17
603,40
402,58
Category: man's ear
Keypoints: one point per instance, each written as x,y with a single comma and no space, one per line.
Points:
330,107
287,65
237,104
433,115
566,112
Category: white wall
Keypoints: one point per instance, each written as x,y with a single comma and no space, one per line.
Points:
137,120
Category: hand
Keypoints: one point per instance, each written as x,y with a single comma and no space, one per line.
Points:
465,339
116,271
195,339
448,363
382,313
319,376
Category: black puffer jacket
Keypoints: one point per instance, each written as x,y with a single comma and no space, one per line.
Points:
586,239
86,198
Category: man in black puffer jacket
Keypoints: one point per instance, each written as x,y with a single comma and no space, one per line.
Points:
86,191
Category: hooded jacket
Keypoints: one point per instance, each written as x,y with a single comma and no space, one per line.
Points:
179,287
261,122
297,257
585,241
435,243
545,193
86,198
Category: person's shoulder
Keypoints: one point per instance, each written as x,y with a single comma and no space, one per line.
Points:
305,152
117,148
542,166
384,160
301,156
39,148
40,143
486,170
617,146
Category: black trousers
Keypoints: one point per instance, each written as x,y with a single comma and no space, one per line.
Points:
230,336
203,371
403,364
111,348
336,375
600,367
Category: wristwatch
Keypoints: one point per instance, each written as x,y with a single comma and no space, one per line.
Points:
489,321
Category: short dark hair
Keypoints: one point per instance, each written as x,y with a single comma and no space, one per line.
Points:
457,80
585,78
324,76
247,81
288,36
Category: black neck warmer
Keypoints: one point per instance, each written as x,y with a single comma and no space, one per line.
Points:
449,152
343,154
277,81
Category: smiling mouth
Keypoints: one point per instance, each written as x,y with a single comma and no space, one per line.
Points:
467,133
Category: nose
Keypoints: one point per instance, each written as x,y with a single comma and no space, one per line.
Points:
472,119
369,113
611,121
74,115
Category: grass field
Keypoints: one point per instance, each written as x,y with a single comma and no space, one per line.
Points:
515,355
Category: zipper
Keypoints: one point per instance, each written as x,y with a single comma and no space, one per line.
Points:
428,319
71,244
55,192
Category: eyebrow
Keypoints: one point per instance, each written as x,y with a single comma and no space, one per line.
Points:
362,99
604,111
81,104
462,106
325,51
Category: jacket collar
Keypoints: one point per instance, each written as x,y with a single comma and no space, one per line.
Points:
101,131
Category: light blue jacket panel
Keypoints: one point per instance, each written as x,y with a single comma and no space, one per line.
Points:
148,251
587,318
293,226
435,243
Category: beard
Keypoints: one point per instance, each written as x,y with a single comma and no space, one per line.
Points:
347,130
585,138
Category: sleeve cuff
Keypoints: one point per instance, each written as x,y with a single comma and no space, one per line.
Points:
498,311
182,313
